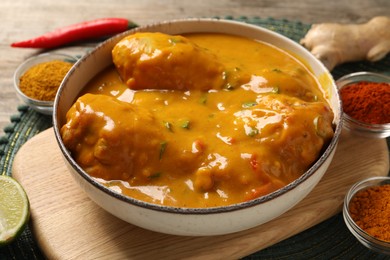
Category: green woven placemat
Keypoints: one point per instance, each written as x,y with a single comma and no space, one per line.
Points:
23,126
330,239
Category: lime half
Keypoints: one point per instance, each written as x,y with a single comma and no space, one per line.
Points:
14,209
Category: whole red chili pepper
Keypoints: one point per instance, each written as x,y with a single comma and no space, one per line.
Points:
78,32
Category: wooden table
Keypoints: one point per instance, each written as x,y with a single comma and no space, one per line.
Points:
22,19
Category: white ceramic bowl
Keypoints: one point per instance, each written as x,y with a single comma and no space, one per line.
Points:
43,107
187,221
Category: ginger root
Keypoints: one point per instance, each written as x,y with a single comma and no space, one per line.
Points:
334,43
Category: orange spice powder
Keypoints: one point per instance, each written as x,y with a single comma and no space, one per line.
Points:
42,80
370,209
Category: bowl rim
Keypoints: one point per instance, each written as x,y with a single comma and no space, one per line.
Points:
364,237
210,210
366,126
22,68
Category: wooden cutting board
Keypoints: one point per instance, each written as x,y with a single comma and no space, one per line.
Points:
68,225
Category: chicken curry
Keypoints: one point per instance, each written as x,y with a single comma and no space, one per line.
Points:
198,121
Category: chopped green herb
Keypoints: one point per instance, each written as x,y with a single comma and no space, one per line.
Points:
253,132
163,147
275,90
317,127
249,104
203,99
228,86
185,124
174,40
168,126
277,70
155,175
315,122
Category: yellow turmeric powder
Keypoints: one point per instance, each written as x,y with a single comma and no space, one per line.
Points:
370,209
42,81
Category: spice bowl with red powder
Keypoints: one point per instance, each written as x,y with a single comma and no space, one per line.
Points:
366,213
38,78
366,103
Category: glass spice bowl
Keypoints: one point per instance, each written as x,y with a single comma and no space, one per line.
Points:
43,107
362,236
356,126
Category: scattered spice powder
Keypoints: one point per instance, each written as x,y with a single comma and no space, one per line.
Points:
42,81
370,209
368,102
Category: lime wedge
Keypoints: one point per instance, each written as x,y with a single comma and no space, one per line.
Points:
14,209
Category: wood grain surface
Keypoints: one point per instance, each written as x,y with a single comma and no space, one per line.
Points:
23,19
68,225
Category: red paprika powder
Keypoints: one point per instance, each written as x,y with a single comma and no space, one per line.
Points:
368,102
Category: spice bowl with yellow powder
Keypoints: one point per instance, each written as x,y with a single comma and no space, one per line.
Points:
38,78
366,213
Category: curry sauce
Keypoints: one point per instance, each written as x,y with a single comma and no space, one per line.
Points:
247,127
